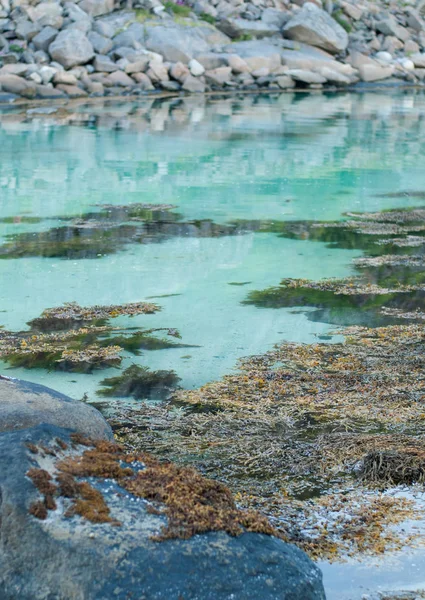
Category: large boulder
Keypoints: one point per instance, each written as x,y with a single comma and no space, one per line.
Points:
67,533
181,42
315,26
71,48
24,404
314,59
236,27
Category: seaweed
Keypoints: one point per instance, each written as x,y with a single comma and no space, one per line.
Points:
140,382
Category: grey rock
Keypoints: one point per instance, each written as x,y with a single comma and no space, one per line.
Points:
73,91
15,69
218,77
144,82
24,404
100,43
306,76
414,19
170,86
237,64
47,14
180,42
14,85
110,25
43,39
47,73
285,82
179,72
104,64
65,77
257,53
119,78
48,92
41,57
76,13
71,48
314,26
26,30
334,77
310,58
212,60
157,71
137,67
236,27
193,84
389,26
96,8
73,558
418,60
134,34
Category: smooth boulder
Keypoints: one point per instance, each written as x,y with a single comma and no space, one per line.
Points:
316,27
24,404
71,48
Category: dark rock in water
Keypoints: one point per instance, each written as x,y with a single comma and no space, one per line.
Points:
49,552
69,557
24,404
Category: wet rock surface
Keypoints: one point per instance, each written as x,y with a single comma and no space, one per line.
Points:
67,532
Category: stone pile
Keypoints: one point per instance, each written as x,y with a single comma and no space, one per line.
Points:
69,49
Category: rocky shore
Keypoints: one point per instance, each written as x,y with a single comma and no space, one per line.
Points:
81,518
64,49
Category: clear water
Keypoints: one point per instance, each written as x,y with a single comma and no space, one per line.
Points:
283,158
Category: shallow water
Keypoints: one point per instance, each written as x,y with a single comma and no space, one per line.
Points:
290,157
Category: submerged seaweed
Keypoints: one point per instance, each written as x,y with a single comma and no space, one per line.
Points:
140,382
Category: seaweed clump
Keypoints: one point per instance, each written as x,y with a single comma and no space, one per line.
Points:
140,382
191,503
80,339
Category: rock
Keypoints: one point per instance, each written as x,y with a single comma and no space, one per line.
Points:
47,74
157,71
71,48
143,80
36,77
353,11
95,88
111,25
72,557
15,85
333,76
179,72
384,57
219,77
46,14
180,42
76,13
313,59
104,64
285,82
24,405
196,68
134,34
170,86
65,77
237,64
26,30
314,26
100,43
257,53
392,44
138,66
414,19
14,69
193,84
43,39
370,72
73,91
121,79
212,60
418,60
47,92
406,63
411,47
306,76
96,8
389,26
237,27
261,72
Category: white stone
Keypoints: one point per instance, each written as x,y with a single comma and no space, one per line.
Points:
196,68
47,73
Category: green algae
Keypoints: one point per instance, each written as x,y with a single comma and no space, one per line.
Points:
140,382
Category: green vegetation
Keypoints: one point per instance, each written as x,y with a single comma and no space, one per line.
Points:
208,18
180,10
140,382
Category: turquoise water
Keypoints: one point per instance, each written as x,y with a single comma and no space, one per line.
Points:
284,158
250,158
